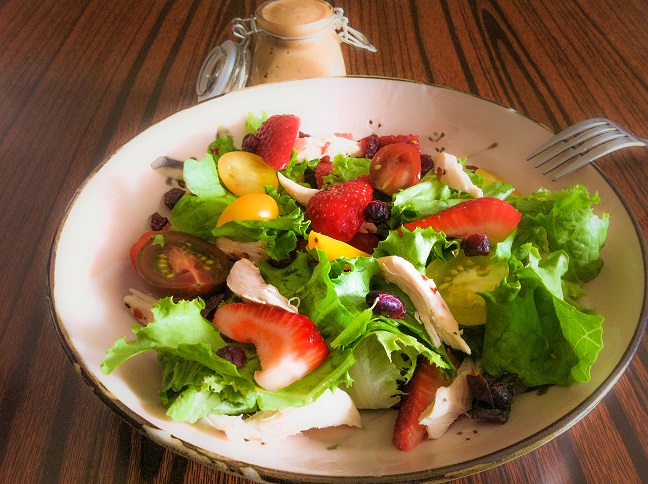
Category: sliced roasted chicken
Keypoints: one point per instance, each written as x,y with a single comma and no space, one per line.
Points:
430,306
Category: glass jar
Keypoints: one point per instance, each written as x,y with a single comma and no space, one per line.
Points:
293,39
296,40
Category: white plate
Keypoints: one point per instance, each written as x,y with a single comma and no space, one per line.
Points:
91,272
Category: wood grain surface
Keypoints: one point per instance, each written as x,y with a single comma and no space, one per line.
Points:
79,78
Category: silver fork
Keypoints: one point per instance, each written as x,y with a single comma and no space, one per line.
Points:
581,144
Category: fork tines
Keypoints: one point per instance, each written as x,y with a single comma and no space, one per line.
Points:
581,144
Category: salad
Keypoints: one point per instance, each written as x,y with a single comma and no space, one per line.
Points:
296,280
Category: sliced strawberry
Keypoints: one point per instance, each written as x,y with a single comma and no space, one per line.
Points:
491,216
338,210
289,345
275,138
322,169
394,167
420,393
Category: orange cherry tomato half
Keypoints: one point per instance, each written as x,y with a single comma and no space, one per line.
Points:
254,206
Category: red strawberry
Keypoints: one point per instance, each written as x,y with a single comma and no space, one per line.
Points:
322,169
420,393
289,345
338,210
275,139
491,216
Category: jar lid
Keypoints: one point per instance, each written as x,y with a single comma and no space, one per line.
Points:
226,68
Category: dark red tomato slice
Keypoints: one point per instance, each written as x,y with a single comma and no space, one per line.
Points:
138,245
181,265
395,166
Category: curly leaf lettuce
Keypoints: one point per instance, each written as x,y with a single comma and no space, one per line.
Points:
565,220
197,382
532,332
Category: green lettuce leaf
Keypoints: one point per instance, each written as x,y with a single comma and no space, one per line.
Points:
419,246
565,220
533,333
280,234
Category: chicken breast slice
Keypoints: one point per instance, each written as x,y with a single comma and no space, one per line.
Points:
452,174
140,305
300,193
254,251
331,409
430,306
449,403
311,148
245,280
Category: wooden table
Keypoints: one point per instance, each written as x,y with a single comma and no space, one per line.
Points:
78,78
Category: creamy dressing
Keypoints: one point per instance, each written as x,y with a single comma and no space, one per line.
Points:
294,12
298,41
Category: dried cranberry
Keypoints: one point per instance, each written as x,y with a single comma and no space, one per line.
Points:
369,145
475,244
211,304
172,196
158,222
426,164
386,304
322,169
234,354
250,143
377,211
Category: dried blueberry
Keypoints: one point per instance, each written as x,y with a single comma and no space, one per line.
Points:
377,211
386,304
475,244
172,196
234,354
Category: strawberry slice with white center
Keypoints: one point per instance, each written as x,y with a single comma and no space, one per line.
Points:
289,345
491,216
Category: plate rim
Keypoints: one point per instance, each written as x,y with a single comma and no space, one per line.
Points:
254,471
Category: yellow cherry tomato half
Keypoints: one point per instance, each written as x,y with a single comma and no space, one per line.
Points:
334,248
243,173
461,279
254,206
490,176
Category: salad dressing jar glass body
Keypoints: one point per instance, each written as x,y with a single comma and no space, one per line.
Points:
296,40
293,39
